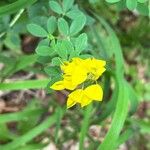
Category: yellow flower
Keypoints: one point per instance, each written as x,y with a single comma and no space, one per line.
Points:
94,67
63,84
86,96
79,70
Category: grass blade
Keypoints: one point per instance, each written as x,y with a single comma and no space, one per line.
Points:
17,116
27,84
122,98
31,134
85,125
11,8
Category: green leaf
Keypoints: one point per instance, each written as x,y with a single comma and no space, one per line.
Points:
15,6
6,134
63,26
44,42
52,71
131,4
61,49
112,1
144,125
56,61
73,54
43,59
13,41
85,125
67,4
74,13
18,116
100,43
77,24
14,65
68,45
44,51
125,137
133,98
37,30
85,56
121,5
51,24
31,147
25,61
121,110
27,84
142,1
59,116
143,9
55,6
81,42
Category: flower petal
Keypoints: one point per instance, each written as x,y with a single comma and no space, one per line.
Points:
76,95
69,85
99,72
94,92
70,102
98,63
59,85
79,75
85,101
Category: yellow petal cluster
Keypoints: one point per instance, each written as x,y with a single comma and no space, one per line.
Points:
75,73
86,96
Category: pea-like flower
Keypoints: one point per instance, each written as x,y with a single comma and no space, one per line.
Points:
86,96
77,72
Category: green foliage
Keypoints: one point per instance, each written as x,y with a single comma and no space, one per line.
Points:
67,4
77,24
44,51
37,30
51,25
63,26
81,42
11,8
65,42
63,32
28,84
142,6
56,7
131,5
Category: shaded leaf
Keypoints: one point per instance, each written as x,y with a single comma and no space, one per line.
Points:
67,4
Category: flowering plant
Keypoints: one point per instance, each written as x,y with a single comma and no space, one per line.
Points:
65,48
75,73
